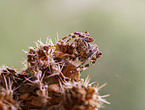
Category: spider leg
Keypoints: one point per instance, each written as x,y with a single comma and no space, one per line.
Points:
72,35
67,36
93,57
85,36
91,53
75,40
93,60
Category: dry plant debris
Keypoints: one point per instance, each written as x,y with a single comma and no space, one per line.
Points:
50,79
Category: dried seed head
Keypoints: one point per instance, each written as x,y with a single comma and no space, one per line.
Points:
6,96
36,97
54,92
50,78
80,95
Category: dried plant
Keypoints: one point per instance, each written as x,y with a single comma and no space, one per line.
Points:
50,79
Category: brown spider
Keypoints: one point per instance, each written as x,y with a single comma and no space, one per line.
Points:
64,50
85,36
80,48
75,49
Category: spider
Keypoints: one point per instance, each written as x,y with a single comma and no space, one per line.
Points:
85,36
80,48
85,52
63,51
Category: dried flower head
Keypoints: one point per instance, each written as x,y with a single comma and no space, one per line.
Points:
81,95
50,79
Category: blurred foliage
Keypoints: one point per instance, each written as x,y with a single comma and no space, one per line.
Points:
116,25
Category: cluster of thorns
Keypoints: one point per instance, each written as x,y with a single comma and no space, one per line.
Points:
50,79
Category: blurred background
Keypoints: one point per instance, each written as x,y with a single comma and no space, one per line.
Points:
118,27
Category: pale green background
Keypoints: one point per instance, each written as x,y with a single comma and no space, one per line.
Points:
118,27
